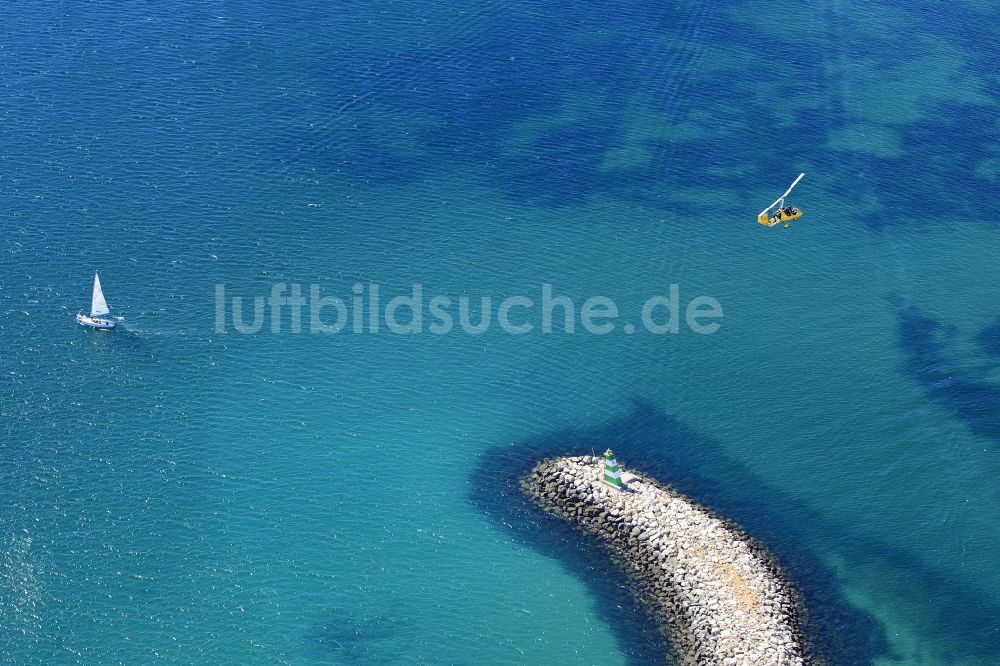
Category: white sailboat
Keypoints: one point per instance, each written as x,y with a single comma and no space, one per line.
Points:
98,308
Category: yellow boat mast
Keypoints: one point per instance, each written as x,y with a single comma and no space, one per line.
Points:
779,203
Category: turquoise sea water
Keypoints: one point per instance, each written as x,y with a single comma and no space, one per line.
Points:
172,494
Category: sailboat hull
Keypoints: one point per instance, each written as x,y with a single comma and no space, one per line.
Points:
94,322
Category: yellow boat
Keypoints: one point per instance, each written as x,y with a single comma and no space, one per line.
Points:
782,213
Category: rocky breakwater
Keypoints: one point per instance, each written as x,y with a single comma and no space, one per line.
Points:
720,600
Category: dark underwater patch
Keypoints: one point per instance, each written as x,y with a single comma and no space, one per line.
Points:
989,339
516,66
924,341
354,638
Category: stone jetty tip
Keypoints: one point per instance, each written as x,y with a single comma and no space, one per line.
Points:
718,598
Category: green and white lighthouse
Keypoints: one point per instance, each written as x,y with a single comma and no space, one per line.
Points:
612,474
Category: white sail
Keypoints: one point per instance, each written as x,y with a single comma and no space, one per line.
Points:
98,306
781,200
